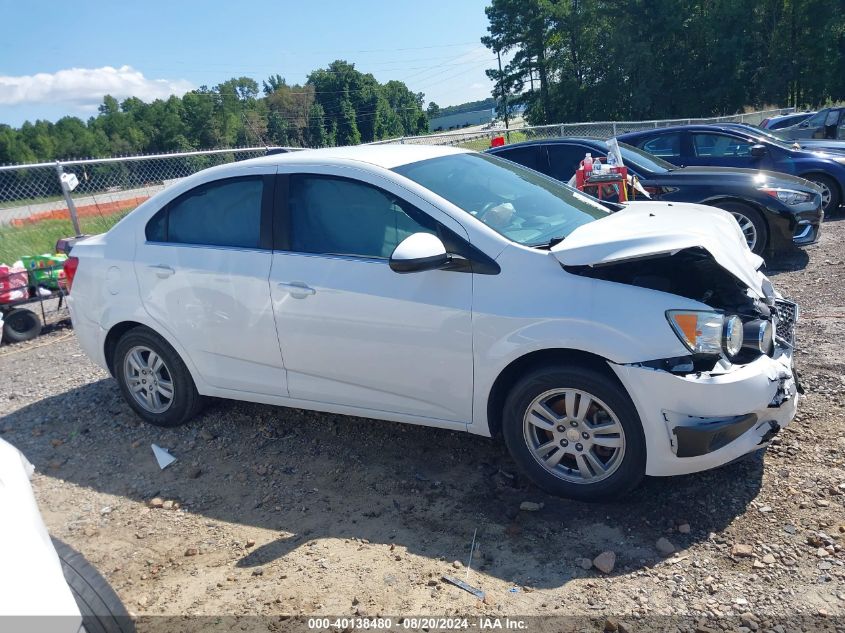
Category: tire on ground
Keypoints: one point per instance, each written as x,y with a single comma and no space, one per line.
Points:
101,608
20,325
607,389
187,402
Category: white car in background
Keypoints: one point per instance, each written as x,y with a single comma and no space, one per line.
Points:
46,586
452,289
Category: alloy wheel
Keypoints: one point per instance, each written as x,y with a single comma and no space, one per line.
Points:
747,227
826,194
574,435
148,378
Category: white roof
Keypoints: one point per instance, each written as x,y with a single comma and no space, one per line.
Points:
388,155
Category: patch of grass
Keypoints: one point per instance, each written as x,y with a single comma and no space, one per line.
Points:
41,237
480,144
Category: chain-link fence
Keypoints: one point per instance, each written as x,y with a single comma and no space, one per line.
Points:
37,205
37,208
479,139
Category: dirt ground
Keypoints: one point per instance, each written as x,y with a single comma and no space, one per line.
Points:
281,512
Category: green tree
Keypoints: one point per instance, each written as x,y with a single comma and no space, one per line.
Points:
347,128
318,136
273,83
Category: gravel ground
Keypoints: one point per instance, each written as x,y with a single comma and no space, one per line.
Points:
282,512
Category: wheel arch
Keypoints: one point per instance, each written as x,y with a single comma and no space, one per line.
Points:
518,367
116,331
751,204
114,334
836,183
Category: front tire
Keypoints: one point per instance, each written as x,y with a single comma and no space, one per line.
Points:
831,198
154,379
575,433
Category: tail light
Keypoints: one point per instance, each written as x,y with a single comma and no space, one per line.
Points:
70,266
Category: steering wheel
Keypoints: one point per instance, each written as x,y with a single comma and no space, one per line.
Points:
486,209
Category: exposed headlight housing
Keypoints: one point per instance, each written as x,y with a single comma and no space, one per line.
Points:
707,333
788,196
732,336
759,336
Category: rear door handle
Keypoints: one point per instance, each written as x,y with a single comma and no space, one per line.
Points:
162,271
296,289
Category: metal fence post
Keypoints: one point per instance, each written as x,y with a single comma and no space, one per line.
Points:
614,129
71,207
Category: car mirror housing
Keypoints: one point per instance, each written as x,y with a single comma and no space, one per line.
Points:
419,252
758,150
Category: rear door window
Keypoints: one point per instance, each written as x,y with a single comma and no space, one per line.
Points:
222,213
665,145
564,159
817,120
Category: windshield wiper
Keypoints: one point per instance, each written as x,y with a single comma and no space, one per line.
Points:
551,243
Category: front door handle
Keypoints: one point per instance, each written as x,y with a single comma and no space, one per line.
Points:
162,271
296,289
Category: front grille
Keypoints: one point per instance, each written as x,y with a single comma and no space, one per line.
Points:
787,315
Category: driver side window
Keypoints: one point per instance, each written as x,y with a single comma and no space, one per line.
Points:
720,146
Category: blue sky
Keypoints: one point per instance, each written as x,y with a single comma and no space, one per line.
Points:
60,58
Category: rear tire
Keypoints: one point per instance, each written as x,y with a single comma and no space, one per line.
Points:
101,608
146,387
751,222
599,453
20,325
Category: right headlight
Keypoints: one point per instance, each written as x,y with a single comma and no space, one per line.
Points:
707,333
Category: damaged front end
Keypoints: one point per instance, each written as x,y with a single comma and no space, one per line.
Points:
693,273
736,388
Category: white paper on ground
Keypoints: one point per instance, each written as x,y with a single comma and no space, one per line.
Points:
163,458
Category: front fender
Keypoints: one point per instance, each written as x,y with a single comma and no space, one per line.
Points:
617,322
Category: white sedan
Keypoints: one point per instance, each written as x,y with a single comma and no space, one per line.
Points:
443,287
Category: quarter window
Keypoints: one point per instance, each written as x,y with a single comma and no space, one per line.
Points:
665,146
531,156
720,146
223,213
338,216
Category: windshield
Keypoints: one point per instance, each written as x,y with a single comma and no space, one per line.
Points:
519,203
762,134
647,162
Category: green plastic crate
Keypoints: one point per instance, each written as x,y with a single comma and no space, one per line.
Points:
45,270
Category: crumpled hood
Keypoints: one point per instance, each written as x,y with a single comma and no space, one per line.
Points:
647,228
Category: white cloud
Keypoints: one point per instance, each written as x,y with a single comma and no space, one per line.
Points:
87,86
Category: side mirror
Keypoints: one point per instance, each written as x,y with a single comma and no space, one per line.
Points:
758,151
419,252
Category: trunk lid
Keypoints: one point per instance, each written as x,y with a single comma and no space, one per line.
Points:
646,229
